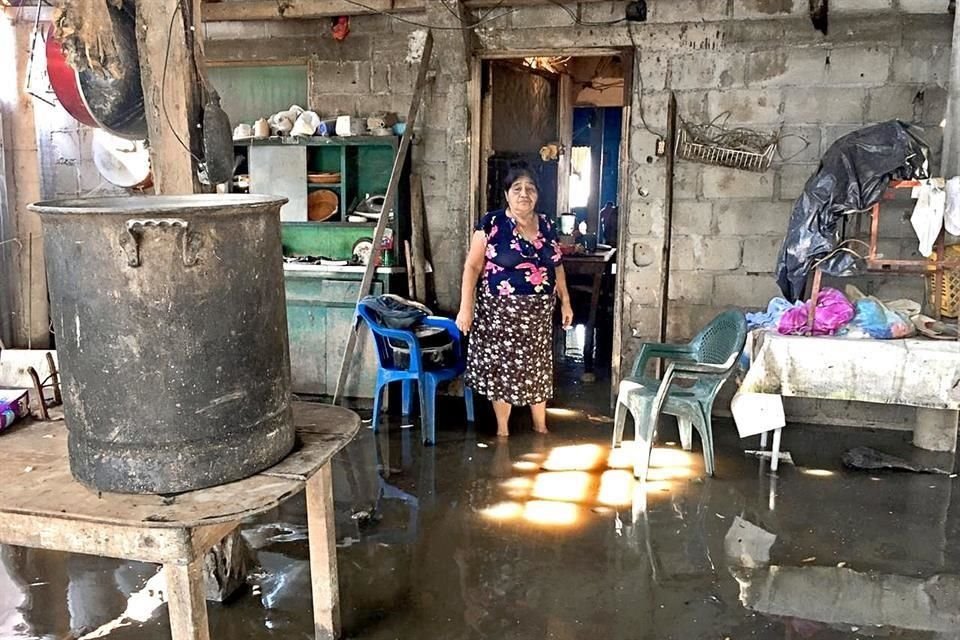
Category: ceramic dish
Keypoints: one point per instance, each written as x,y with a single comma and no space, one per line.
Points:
322,205
363,249
323,178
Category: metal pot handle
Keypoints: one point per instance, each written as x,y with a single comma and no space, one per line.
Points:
130,239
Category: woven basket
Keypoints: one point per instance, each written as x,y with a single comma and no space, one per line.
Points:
950,291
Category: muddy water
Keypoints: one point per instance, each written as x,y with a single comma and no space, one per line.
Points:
550,537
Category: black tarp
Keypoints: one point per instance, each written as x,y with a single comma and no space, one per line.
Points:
853,174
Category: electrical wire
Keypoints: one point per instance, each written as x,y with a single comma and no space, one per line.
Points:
163,82
465,27
585,23
639,77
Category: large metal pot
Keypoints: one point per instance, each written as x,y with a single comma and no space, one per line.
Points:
171,330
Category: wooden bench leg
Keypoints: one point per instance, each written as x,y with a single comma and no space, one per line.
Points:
186,602
323,554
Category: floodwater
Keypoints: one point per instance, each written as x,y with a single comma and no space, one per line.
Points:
550,537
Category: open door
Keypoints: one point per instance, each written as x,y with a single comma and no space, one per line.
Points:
522,115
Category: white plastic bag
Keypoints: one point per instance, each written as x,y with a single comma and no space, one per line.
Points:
927,218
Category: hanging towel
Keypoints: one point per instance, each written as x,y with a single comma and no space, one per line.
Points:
951,217
927,218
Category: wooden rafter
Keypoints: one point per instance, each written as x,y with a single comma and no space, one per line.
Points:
306,9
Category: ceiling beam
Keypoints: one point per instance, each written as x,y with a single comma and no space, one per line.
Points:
305,9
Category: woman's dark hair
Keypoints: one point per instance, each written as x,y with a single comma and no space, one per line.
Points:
518,171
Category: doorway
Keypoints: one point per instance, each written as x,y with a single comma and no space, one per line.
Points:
563,116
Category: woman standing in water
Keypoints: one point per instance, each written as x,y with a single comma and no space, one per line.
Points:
510,315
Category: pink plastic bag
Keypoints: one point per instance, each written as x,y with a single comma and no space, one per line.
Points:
833,312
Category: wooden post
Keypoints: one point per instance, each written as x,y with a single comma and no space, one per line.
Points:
323,554
164,41
668,217
188,609
417,231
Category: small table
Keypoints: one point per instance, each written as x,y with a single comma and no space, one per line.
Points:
593,265
42,506
917,373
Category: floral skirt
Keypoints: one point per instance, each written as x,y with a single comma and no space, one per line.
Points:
510,354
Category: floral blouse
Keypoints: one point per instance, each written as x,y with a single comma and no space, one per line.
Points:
514,265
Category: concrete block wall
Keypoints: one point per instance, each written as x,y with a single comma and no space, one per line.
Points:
374,70
759,60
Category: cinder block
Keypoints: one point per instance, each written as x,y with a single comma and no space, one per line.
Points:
348,78
236,30
692,218
901,102
66,181
706,70
641,324
543,17
793,177
683,252
780,67
747,106
746,291
699,253
647,253
922,62
859,6
812,67
604,11
934,105
799,144
824,104
646,217
691,286
686,180
379,78
686,11
768,8
647,181
751,219
924,6
644,292
329,105
760,254
858,65
433,175
720,182
650,70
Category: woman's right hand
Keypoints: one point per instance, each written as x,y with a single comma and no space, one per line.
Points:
464,320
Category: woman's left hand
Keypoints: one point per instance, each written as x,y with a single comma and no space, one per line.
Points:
566,314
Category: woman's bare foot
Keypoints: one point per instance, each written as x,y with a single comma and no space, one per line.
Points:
503,433
541,430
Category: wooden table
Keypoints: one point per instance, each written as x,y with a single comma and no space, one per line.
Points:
42,506
594,266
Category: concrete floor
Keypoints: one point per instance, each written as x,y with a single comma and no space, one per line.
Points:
549,537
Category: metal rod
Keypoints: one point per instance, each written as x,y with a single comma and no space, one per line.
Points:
668,214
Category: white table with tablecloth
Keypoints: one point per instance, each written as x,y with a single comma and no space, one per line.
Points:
911,372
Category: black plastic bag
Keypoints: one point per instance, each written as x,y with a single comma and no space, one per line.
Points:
853,174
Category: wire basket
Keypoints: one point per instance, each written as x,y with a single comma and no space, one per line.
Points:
720,156
950,289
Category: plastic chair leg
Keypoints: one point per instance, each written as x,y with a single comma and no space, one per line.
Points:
468,399
706,435
686,433
619,421
428,403
646,430
377,398
407,397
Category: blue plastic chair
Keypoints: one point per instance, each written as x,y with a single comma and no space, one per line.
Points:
427,380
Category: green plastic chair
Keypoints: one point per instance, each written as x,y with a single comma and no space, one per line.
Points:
707,361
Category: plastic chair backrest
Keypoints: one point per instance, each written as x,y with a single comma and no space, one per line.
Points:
723,337
385,356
